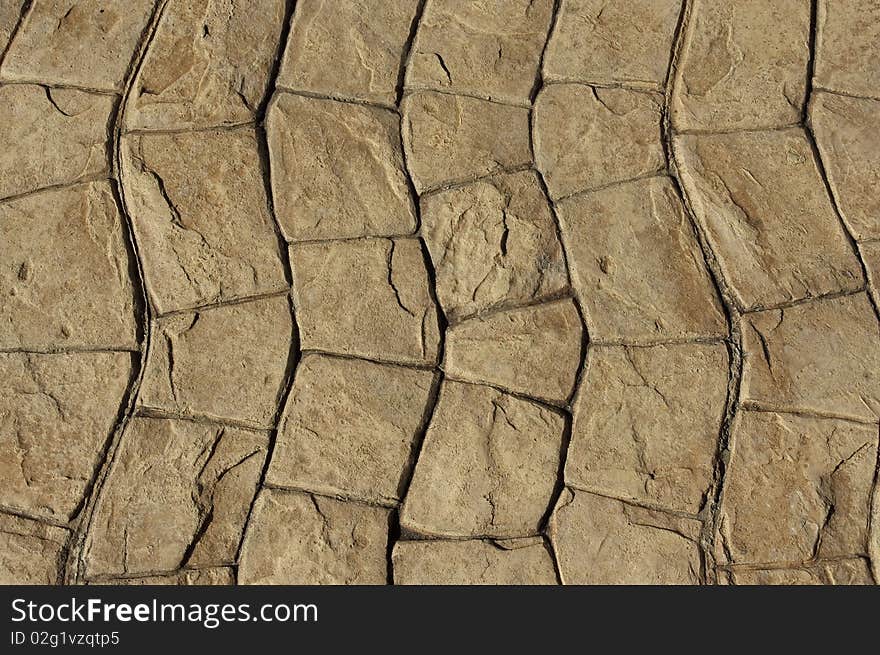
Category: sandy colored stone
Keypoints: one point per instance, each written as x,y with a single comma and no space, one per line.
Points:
488,466
87,43
337,170
840,572
493,243
367,297
848,137
870,253
488,49
178,493
64,271
587,137
451,138
628,41
636,264
767,216
603,541
348,48
10,12
472,563
743,65
297,538
350,428
216,576
226,362
208,64
848,47
535,350
797,488
647,423
31,553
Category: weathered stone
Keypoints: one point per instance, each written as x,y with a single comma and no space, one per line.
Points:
350,428
822,356
451,138
848,34
606,42
488,466
10,13
178,493
797,488
208,64
64,271
348,48
31,553
587,137
744,65
216,576
636,264
296,538
871,257
603,541
473,563
487,49
87,43
226,362
535,350
840,572
337,170
368,297
762,203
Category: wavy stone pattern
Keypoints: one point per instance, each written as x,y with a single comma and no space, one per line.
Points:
444,292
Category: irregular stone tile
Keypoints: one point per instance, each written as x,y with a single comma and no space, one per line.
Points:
86,43
487,468
208,64
488,49
848,138
451,138
604,42
535,351
216,576
636,264
349,428
31,553
10,13
797,488
56,414
337,170
178,493
847,49
64,271
296,538
762,203
841,572
493,243
646,424
369,297
226,362
822,356
349,48
60,136
586,137
603,541
744,65
199,209
472,563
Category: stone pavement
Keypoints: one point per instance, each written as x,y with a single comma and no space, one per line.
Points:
444,291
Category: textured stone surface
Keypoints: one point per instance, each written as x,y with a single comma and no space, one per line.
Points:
847,47
216,576
10,12
871,257
842,572
31,553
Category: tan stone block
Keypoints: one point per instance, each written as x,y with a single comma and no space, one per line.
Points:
337,170
449,138
64,271
216,576
762,203
350,428
488,49
10,13
296,538
847,50
587,137
178,493
226,362
473,563
840,572
368,297
488,466
636,264
822,356
871,257
493,243
534,351
797,488
31,553
603,541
